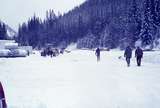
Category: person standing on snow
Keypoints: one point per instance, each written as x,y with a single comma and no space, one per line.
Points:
128,55
98,54
139,55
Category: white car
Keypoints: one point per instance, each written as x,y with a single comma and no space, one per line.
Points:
17,53
4,52
13,53
11,46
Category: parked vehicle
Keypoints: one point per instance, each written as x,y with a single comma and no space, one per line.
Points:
17,53
11,45
53,52
13,53
4,52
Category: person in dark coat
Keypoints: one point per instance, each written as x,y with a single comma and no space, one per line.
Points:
28,52
128,55
139,55
2,97
98,54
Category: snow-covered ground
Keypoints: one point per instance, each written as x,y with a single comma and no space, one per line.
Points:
76,80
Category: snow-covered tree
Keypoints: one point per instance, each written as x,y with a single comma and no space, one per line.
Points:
148,27
106,39
157,11
134,22
3,31
87,42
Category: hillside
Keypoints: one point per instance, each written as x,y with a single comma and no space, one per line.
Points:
6,32
104,23
10,31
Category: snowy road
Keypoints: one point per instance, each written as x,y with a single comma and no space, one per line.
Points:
76,80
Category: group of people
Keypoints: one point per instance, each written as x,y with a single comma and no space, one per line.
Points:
127,55
138,55
52,52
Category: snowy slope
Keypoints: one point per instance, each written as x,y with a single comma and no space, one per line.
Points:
76,80
10,32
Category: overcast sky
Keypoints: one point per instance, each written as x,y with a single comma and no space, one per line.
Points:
14,12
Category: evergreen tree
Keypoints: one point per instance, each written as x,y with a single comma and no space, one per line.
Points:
106,39
3,31
153,12
148,27
23,38
87,42
157,11
134,21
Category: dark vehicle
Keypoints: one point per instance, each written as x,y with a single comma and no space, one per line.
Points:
43,53
62,50
53,52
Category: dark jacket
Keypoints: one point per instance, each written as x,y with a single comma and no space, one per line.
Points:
128,52
139,52
97,52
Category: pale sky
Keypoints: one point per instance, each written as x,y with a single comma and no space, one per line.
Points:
14,12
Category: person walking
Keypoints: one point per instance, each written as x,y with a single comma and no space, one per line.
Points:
128,55
139,55
98,54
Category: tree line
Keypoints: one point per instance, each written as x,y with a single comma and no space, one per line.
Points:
3,31
104,23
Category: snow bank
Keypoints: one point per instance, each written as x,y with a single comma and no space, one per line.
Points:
152,57
71,47
11,45
138,43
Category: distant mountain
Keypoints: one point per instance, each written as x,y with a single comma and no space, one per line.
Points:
6,31
10,31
